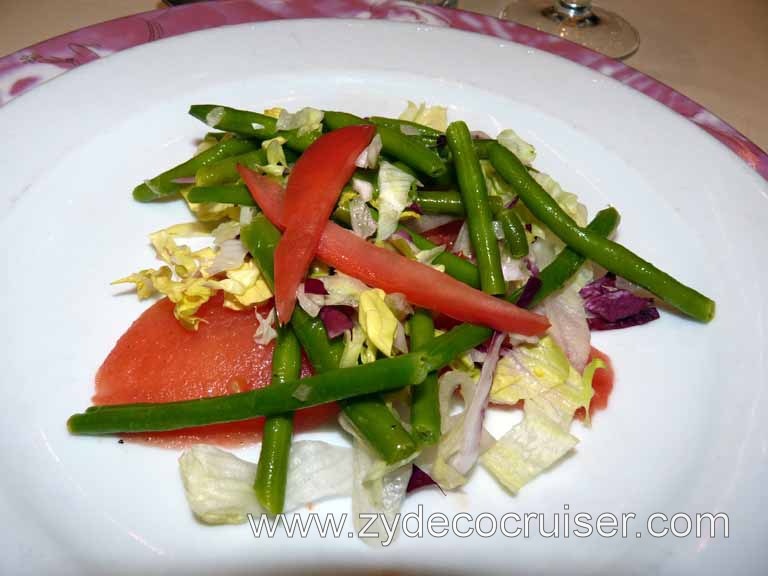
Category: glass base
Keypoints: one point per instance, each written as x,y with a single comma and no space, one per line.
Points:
597,29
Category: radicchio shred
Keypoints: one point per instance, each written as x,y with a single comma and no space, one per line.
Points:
414,207
314,286
532,286
419,479
611,308
336,319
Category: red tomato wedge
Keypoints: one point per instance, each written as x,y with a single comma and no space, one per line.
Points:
311,194
157,360
422,285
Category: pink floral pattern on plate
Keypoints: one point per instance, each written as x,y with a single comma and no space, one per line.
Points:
30,67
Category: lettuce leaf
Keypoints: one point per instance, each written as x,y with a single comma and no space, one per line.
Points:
519,147
377,320
304,121
433,116
395,191
528,371
219,485
527,450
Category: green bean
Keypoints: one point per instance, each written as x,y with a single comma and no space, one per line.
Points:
610,255
446,347
335,120
222,194
514,232
425,405
324,354
475,198
272,469
243,122
261,238
380,376
385,434
455,266
225,171
393,143
449,202
426,136
466,336
568,262
250,124
481,148
422,129
163,185
445,181
446,202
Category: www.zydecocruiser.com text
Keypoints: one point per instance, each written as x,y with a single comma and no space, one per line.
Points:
565,524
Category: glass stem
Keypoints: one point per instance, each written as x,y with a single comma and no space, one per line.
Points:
573,9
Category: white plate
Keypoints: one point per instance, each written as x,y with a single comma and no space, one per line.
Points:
685,430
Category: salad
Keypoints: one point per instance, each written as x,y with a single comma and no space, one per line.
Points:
401,274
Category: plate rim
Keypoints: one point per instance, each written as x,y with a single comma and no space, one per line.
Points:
25,69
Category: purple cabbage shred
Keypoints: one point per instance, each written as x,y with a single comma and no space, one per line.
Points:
314,286
612,308
531,266
419,479
532,286
415,208
336,319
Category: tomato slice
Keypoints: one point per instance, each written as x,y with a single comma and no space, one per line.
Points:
157,360
422,285
313,189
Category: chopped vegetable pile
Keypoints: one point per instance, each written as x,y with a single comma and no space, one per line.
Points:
317,225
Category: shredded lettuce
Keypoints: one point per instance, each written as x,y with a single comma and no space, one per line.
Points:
433,116
276,161
568,325
411,251
519,147
244,286
363,223
495,184
227,230
395,194
454,429
354,341
342,290
560,403
376,486
377,320
399,305
231,255
567,200
528,371
219,485
188,278
369,158
304,121
265,331
310,303
210,211
527,450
